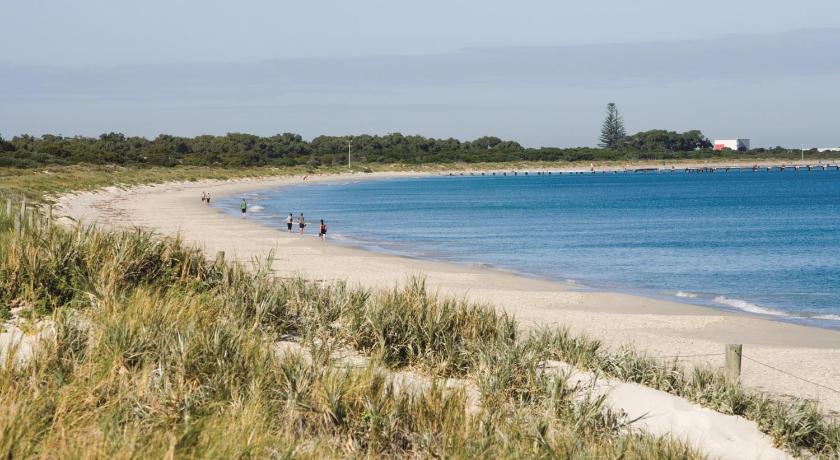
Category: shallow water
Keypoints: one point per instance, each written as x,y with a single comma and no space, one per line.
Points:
763,242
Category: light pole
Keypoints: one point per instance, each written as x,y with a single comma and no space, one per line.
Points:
349,143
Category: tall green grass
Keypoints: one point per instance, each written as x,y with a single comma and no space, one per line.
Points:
159,352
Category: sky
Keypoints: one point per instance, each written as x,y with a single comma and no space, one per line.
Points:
539,72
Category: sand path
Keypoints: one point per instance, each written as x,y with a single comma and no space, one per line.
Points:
661,328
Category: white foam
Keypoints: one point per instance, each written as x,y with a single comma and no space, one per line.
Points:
257,208
746,306
829,317
688,295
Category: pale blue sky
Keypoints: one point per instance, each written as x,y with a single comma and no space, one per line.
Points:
536,71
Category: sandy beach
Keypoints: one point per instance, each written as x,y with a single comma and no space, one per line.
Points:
661,328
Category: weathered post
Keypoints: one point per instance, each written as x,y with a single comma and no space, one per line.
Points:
733,362
9,207
17,226
220,259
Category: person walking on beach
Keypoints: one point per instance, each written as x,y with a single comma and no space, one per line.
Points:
244,207
289,221
204,197
208,198
301,223
322,232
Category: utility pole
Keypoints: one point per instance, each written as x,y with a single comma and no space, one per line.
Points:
349,143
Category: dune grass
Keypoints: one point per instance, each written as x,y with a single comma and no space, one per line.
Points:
158,352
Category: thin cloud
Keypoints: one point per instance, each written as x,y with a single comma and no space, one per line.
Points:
768,56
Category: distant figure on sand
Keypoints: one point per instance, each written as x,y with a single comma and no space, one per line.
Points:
301,223
244,207
322,232
289,221
204,197
208,198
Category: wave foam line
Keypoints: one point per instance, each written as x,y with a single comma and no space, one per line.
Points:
746,306
828,317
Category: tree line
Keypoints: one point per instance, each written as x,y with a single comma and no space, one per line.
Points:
237,150
288,149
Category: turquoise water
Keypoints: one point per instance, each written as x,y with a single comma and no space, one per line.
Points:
763,242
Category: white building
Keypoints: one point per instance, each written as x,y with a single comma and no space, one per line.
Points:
829,149
732,144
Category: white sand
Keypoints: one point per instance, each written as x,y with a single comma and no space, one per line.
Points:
659,413
662,328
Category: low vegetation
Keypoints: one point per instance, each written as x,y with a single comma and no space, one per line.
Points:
41,184
157,351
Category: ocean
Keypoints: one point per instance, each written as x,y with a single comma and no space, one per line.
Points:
762,242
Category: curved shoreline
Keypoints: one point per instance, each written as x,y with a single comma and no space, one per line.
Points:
715,300
661,328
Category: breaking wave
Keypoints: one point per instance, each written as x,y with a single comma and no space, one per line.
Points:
828,317
746,306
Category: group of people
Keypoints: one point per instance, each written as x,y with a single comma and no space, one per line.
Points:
290,221
301,222
205,197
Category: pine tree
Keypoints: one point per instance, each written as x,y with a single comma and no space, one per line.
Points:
612,132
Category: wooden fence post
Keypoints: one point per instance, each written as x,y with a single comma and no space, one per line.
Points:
9,207
220,259
733,362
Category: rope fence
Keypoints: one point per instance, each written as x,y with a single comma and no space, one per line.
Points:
705,355
688,356
792,375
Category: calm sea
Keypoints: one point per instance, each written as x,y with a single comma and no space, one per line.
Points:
763,242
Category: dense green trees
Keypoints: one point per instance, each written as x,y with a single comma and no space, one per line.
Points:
662,140
238,149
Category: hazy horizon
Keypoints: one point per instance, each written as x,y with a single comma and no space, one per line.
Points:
540,74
